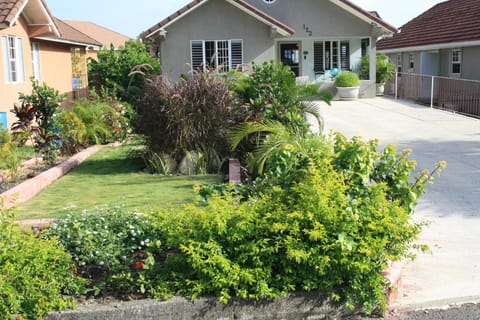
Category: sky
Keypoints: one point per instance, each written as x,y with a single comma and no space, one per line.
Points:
133,17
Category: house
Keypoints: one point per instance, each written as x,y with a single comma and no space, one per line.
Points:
101,34
36,44
442,41
312,37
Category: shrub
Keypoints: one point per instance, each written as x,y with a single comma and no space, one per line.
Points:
112,70
182,116
42,105
269,93
347,79
385,69
35,274
103,122
9,160
105,243
311,236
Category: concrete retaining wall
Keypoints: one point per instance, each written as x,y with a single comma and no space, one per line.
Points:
311,305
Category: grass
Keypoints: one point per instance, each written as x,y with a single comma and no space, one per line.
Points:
110,177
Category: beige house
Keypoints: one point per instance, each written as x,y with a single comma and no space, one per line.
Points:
36,44
103,35
311,36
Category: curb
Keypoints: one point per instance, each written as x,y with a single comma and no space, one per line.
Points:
31,187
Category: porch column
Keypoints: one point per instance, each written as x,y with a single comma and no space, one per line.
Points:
373,54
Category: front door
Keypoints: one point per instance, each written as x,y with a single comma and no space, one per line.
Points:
290,56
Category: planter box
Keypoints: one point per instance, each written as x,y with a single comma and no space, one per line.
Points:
348,93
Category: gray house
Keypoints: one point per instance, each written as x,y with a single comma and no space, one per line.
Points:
311,36
442,41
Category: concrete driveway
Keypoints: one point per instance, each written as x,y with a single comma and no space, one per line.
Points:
450,272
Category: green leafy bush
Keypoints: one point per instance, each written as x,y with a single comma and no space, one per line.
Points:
36,275
95,122
269,93
114,70
41,105
347,79
186,115
385,69
105,244
310,236
8,152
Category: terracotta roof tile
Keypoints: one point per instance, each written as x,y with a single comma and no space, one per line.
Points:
101,34
69,33
447,22
9,9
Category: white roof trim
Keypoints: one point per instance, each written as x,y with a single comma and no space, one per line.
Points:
278,28
44,11
18,14
83,44
50,20
450,45
177,18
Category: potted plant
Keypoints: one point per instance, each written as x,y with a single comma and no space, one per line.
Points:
385,71
348,85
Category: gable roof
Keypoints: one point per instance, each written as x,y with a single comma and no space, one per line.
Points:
36,13
447,24
101,34
70,35
368,16
281,28
9,10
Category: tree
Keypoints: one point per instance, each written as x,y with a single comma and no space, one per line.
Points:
122,72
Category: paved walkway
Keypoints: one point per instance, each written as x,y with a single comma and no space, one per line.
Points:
450,272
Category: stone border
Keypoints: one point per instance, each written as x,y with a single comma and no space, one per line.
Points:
301,305
31,187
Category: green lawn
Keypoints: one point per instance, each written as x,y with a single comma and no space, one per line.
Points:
110,177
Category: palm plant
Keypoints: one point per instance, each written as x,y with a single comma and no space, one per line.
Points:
280,148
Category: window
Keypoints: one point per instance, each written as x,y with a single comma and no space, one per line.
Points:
36,61
399,63
227,54
12,50
411,59
365,46
345,55
456,61
331,54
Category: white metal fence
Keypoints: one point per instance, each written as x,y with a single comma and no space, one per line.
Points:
456,95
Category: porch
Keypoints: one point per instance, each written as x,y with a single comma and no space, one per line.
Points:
321,59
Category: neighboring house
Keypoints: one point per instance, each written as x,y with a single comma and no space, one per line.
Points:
35,44
312,37
103,35
442,41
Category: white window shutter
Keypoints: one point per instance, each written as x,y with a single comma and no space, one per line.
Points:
20,59
197,55
36,61
237,54
6,64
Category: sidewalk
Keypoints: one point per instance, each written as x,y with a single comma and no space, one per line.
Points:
450,272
